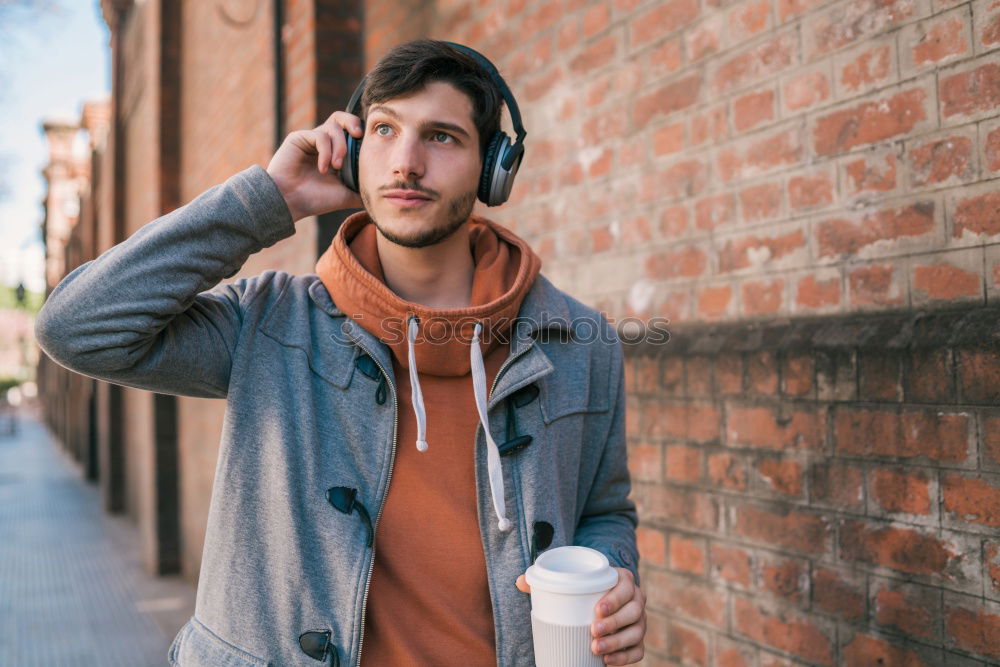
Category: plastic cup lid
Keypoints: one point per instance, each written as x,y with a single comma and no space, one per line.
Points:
572,570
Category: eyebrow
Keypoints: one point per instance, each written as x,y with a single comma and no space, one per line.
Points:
428,125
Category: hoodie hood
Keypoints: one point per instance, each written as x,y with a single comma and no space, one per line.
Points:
505,269
436,341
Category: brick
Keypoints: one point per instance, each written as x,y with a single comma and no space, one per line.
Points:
685,178
972,500
665,59
790,9
645,462
991,568
762,297
866,68
687,598
871,174
785,578
710,125
698,376
663,18
729,653
839,593
840,237
595,56
714,302
762,373
596,19
806,90
865,651
793,633
978,215
683,507
836,484
688,645
757,251
936,435
991,441
753,109
896,548
732,565
955,276
702,40
754,156
810,191
756,63
876,285
761,202
970,92
871,122
901,491
747,19
714,210
930,376
728,373
797,371
781,476
908,608
673,221
974,627
672,378
836,374
979,375
687,554
940,40
652,545
668,139
727,471
783,528
683,463
766,428
881,376
991,149
945,160
674,96
684,262
986,24
847,23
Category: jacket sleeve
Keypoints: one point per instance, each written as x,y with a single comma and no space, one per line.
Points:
609,518
139,315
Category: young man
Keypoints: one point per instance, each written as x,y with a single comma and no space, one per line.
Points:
346,526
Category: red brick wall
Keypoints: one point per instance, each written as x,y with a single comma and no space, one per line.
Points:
707,160
824,492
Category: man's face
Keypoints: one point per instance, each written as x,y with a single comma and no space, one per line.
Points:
419,165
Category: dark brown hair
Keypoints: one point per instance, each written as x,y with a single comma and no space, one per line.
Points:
411,66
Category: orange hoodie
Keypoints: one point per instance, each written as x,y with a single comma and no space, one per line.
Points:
429,601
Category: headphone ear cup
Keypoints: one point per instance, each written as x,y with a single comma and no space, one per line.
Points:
489,167
495,182
349,168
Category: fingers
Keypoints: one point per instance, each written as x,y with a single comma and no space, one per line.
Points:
325,149
628,657
616,598
624,617
622,642
522,584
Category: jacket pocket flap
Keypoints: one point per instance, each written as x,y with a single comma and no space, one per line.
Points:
197,646
581,381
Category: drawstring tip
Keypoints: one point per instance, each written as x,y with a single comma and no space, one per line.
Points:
504,525
421,445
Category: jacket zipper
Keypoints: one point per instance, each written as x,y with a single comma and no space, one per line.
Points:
378,515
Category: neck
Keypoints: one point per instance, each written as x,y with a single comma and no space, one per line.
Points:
437,276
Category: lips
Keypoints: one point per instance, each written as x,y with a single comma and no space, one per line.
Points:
406,198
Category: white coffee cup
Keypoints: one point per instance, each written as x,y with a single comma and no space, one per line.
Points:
566,584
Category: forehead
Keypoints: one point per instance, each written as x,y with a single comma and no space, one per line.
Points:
436,101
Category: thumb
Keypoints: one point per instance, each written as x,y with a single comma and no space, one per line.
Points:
522,584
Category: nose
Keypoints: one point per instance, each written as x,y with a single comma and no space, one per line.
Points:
407,158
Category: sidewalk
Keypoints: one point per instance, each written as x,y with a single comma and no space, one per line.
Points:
72,590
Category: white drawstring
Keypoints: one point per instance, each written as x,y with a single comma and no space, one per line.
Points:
416,395
492,451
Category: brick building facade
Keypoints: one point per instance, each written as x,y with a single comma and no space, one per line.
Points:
808,191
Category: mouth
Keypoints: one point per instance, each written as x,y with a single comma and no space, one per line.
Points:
406,198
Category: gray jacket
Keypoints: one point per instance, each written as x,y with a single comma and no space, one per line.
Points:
307,449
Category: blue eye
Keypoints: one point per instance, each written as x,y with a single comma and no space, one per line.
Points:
379,128
442,137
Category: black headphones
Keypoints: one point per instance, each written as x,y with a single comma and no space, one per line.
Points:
500,162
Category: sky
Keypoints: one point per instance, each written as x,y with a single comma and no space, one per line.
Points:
49,66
